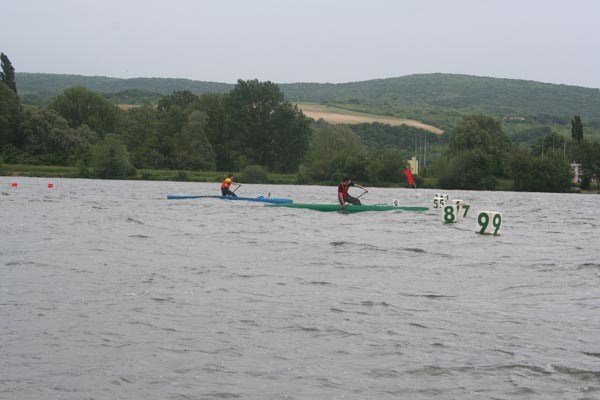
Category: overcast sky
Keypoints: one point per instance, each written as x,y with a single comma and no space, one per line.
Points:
286,41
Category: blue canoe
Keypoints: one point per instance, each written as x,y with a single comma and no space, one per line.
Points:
261,199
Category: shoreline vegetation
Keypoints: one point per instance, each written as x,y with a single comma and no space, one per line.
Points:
52,171
370,130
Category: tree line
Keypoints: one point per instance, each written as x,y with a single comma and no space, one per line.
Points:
254,127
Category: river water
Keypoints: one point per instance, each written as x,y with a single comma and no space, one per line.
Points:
110,291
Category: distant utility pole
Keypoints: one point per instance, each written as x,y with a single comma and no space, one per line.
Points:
416,146
425,151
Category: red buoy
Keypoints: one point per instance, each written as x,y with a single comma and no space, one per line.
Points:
50,185
14,184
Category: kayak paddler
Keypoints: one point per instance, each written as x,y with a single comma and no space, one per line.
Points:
343,195
227,182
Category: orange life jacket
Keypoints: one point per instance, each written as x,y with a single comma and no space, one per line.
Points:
226,183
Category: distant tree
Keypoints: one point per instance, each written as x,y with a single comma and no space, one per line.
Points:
482,133
213,104
138,125
334,151
550,142
470,169
171,121
588,155
50,140
477,150
577,129
11,118
79,105
110,159
192,149
7,76
180,98
262,128
386,167
148,155
534,174
254,174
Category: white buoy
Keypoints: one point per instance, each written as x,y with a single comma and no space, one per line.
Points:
489,223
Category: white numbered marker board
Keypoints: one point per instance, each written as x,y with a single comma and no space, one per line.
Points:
489,223
440,200
450,215
462,208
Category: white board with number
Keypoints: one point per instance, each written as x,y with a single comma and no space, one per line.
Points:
440,200
489,223
450,215
462,208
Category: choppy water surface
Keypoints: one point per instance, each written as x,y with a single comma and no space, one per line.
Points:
108,290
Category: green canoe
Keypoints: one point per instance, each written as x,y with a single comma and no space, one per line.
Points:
349,208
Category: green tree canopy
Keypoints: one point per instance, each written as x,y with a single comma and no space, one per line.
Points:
477,150
470,169
11,118
335,151
549,143
386,166
192,149
180,98
110,159
79,106
577,129
536,174
213,104
263,128
138,125
588,155
50,140
7,75
479,132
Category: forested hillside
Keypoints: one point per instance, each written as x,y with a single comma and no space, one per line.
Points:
41,88
507,97
434,97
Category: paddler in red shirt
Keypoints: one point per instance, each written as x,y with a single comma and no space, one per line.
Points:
343,195
227,182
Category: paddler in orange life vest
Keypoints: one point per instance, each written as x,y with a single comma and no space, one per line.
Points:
226,184
343,195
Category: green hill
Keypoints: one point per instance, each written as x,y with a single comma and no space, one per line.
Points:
43,87
438,99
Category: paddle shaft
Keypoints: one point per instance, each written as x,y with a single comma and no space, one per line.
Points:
357,197
360,195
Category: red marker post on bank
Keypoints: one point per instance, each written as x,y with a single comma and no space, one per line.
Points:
411,180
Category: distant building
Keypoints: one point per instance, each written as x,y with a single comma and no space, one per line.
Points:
413,164
576,172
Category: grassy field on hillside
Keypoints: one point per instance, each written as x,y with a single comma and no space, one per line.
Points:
335,115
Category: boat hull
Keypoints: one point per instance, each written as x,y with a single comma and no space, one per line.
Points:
350,208
260,199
